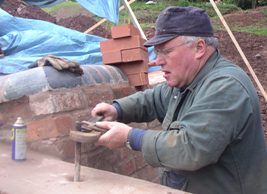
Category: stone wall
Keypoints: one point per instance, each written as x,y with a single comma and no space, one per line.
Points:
51,114
50,102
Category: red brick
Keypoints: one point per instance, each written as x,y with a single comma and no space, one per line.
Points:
124,30
147,173
133,67
111,57
139,162
136,72
49,127
47,146
97,94
135,54
126,167
138,79
122,43
12,109
126,153
66,148
103,158
57,101
121,91
81,115
63,124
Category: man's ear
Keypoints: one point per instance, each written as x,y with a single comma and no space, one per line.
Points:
200,48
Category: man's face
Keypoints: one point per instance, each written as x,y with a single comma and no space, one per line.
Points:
178,61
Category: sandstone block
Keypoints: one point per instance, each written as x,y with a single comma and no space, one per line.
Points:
124,30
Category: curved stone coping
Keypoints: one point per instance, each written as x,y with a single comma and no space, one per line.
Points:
45,78
42,174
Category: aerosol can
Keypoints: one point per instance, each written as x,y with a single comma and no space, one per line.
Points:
19,145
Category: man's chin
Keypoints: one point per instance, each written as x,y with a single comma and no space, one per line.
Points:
172,84
169,83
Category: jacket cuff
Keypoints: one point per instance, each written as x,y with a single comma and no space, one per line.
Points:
135,138
119,110
149,148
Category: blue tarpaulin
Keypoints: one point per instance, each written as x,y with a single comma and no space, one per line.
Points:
24,41
102,8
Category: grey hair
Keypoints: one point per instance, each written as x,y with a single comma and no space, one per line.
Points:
210,41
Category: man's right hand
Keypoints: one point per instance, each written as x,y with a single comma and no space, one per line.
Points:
104,109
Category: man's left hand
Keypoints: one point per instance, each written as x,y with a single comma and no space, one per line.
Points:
115,137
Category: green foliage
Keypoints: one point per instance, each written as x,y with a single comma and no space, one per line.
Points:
56,7
229,1
147,14
183,3
159,6
223,7
264,12
262,2
261,31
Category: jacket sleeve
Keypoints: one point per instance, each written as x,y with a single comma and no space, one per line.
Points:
145,106
218,113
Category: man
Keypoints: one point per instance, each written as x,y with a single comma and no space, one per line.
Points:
212,140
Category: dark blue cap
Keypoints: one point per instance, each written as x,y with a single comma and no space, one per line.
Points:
180,21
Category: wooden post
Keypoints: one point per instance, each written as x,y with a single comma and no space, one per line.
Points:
77,169
77,158
239,49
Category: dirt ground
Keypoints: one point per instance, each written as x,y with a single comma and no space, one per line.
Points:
253,46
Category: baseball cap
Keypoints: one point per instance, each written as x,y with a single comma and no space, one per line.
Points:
180,21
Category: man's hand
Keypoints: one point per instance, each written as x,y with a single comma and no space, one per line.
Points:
115,137
107,110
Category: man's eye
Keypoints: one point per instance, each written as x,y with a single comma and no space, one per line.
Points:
167,51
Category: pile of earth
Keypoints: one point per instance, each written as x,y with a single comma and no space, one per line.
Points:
253,46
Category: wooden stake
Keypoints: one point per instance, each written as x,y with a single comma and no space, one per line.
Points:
239,49
77,161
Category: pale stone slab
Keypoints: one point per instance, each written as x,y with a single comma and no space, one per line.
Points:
40,174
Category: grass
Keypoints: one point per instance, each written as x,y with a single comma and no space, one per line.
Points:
147,14
264,12
57,7
260,31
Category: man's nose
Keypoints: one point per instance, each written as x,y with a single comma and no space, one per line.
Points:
160,60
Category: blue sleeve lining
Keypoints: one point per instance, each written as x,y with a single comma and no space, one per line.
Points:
135,138
119,110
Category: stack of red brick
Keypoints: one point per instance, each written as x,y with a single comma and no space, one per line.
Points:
126,50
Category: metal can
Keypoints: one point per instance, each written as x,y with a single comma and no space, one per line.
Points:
19,146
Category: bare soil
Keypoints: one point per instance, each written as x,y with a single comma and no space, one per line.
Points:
253,46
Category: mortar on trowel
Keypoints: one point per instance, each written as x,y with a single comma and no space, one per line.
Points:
85,132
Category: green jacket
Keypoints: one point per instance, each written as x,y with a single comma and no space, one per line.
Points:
212,133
